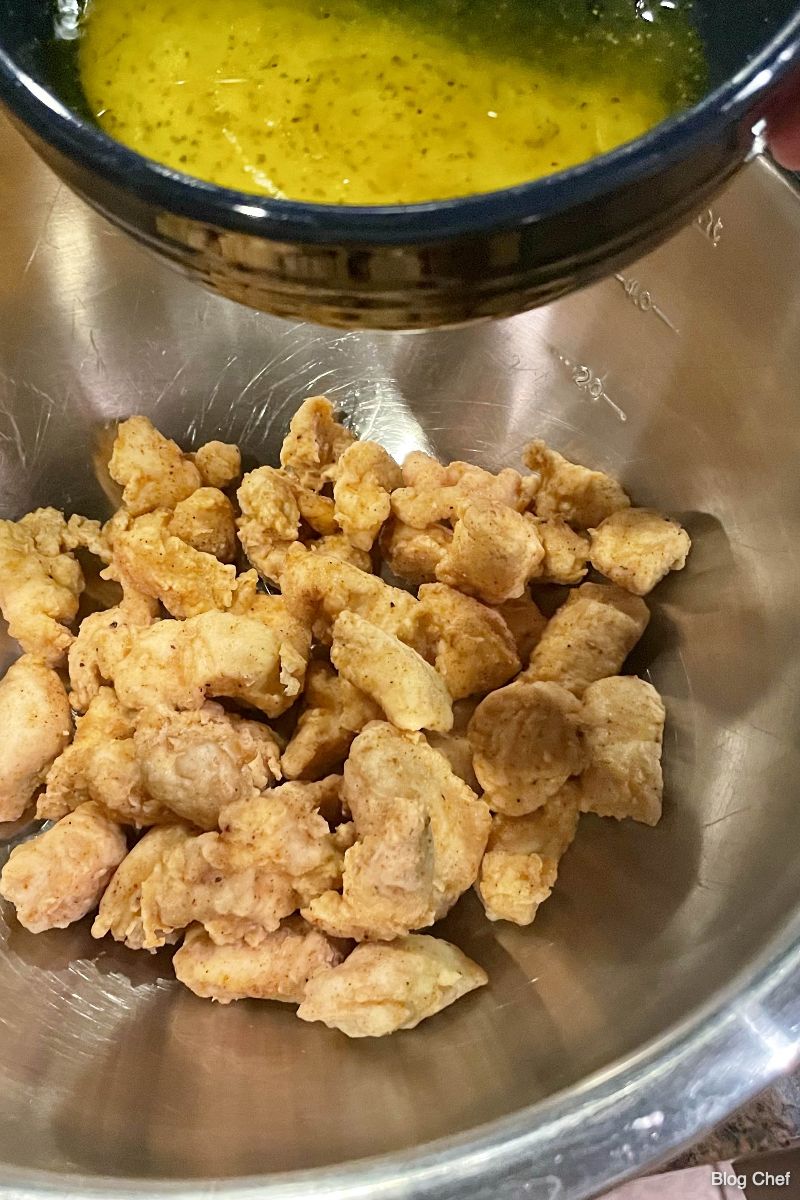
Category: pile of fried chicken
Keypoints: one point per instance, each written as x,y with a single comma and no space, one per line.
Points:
323,767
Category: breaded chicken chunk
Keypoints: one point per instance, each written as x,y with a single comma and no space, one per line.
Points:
103,640
455,744
121,912
83,534
278,969
285,830
421,834
636,547
408,689
526,744
206,521
317,588
366,475
158,564
40,584
578,495
101,765
219,464
314,444
623,726
59,876
333,713
275,852
152,470
473,648
387,881
36,721
414,554
178,664
434,493
270,520
493,554
190,884
526,622
520,866
589,637
381,988
566,553
194,763
272,611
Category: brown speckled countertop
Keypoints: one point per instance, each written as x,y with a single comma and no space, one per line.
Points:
770,1121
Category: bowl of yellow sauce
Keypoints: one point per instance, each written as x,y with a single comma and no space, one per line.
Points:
394,163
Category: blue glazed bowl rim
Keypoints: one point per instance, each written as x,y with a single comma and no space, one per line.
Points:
526,204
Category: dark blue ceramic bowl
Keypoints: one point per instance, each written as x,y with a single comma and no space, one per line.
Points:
420,265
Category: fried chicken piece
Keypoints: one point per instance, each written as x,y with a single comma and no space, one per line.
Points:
103,640
408,689
270,520
566,553
36,721
233,905
101,765
178,664
317,588
316,510
285,830
526,744
122,912
414,554
152,470
473,648
385,769
578,495
333,713
387,880
158,564
421,835
494,552
40,584
272,611
636,547
520,866
59,876
379,989
194,763
455,744
314,444
526,622
206,521
434,493
336,545
589,637
219,464
366,475
83,534
623,727
275,852
278,969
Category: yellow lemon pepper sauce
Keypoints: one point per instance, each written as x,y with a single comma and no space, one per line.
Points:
382,101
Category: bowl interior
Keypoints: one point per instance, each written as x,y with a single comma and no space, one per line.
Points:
732,37
107,1066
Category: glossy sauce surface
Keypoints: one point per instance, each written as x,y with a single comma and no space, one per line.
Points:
383,101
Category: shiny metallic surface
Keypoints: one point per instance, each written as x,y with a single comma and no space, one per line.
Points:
661,984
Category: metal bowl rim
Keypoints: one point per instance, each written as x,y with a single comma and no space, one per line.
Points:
708,1043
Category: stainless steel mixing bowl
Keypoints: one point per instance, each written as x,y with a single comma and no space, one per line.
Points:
661,984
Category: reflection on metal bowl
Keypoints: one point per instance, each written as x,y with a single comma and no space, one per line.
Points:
659,987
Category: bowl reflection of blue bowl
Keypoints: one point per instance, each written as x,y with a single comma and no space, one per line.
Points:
420,265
